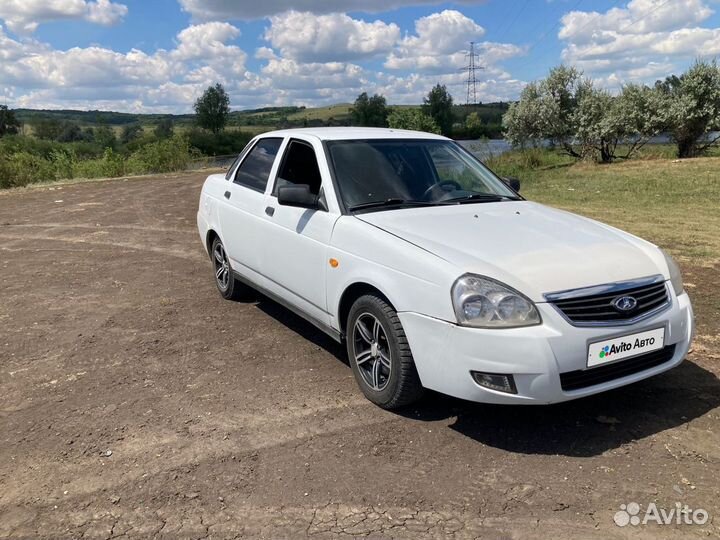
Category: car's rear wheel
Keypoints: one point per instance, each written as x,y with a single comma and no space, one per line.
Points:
380,355
230,288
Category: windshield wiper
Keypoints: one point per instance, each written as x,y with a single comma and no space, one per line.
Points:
393,201
481,197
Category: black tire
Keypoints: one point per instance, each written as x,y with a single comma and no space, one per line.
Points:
389,388
228,286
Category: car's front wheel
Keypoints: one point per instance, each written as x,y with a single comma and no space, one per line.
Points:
230,288
380,355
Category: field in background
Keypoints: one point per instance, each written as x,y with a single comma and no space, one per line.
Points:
673,203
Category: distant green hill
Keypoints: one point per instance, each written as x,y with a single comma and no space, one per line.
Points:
94,117
252,119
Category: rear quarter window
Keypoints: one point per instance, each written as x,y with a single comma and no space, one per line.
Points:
254,171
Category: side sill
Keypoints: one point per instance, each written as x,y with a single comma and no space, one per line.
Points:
330,331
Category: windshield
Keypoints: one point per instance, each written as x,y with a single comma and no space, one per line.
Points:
394,171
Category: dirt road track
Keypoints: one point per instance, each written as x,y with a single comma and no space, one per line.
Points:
135,403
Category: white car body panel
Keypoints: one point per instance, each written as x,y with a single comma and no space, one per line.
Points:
296,243
413,256
533,248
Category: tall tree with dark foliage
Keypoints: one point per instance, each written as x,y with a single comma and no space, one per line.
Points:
212,108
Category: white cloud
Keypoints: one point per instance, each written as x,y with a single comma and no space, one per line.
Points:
288,74
24,16
646,40
308,37
206,40
440,46
97,77
443,32
209,10
207,43
310,60
640,17
105,12
412,88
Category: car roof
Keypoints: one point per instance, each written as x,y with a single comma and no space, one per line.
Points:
353,133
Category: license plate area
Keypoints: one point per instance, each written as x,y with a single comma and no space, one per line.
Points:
619,348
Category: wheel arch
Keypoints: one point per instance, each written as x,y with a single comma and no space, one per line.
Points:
209,239
351,293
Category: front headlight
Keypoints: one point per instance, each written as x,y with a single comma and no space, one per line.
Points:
675,276
484,303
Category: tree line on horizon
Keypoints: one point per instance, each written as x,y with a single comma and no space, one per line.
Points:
438,114
565,111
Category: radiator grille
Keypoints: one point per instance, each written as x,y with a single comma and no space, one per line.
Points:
600,308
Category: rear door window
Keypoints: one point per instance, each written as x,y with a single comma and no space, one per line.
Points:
254,171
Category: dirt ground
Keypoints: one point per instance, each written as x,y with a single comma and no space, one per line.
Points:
135,402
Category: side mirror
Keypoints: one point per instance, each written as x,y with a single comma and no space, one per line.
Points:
298,195
513,183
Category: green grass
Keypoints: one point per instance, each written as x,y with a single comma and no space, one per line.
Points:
338,111
673,203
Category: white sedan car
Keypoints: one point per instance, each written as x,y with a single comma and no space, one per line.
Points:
436,273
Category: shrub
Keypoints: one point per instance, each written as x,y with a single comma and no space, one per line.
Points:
110,165
414,119
518,163
162,156
23,168
63,163
220,144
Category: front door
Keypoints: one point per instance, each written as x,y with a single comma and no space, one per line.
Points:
296,251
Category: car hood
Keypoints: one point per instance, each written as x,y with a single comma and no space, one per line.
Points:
531,247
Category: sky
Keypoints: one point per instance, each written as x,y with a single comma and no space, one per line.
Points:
159,55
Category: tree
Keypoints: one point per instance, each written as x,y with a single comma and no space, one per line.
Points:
88,134
47,128
212,108
438,105
105,137
9,125
473,125
411,118
71,132
641,114
164,129
693,107
527,121
130,132
369,111
546,110
568,111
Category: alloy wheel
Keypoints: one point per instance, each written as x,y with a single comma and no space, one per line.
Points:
372,351
222,267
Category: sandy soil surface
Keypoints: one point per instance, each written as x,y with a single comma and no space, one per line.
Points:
135,402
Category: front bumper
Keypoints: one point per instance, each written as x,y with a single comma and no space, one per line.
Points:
446,353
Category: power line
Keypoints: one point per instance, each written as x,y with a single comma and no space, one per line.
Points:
650,12
508,26
592,20
545,34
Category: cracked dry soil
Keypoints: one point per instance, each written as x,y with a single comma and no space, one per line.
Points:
135,403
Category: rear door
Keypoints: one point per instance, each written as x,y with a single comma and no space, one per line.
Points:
296,257
241,210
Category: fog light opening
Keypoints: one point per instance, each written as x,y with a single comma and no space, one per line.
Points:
495,381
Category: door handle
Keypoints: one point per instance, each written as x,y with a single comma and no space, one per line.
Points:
227,194
270,211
